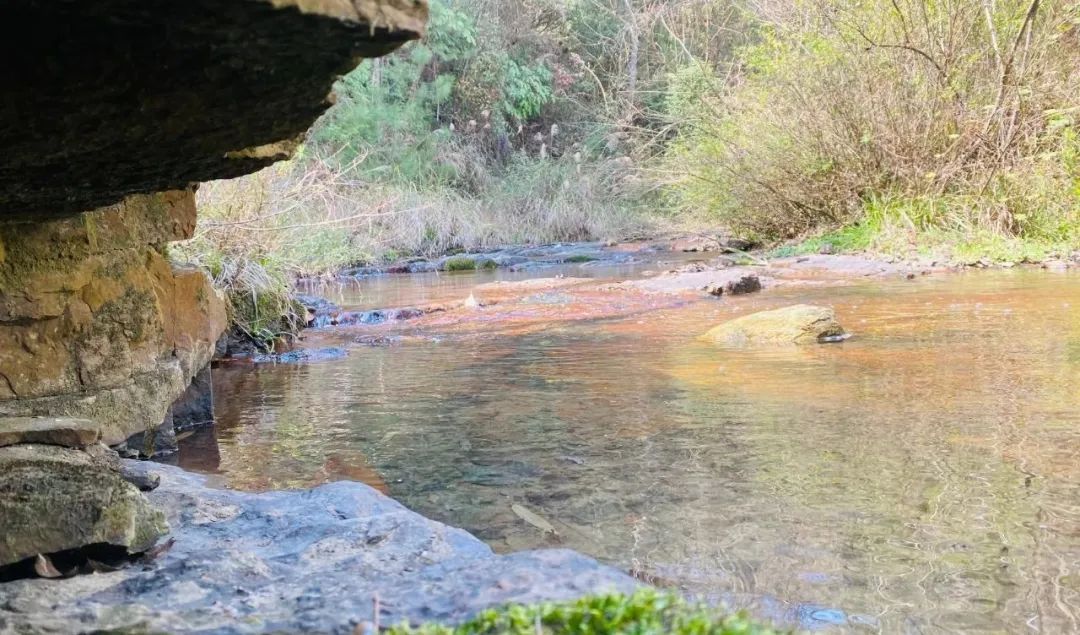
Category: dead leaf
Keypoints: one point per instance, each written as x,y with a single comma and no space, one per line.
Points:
159,550
100,567
533,519
43,566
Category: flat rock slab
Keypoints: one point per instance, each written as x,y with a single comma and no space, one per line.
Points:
71,433
306,561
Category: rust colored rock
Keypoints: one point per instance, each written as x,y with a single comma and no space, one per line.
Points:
94,321
119,106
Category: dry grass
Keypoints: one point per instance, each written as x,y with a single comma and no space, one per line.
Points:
311,218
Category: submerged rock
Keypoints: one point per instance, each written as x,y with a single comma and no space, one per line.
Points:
56,499
299,562
378,341
798,324
303,355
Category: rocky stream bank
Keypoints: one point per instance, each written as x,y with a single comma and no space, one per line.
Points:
327,560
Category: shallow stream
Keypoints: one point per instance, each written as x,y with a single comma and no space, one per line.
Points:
922,477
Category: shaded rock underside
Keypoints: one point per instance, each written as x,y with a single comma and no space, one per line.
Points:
113,97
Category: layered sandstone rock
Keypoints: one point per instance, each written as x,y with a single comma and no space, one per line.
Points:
94,320
119,107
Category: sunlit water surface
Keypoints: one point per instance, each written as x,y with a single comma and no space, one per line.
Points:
922,477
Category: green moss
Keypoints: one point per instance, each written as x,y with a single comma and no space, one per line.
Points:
646,612
579,258
460,263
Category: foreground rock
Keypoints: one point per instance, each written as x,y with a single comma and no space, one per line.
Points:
55,499
311,561
798,324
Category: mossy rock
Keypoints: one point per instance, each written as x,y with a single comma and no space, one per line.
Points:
55,499
798,324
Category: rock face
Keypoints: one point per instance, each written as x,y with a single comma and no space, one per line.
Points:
53,499
118,106
95,322
299,562
798,324
110,98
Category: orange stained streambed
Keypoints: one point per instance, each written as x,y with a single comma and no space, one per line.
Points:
921,477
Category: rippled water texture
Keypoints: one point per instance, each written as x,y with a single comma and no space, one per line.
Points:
921,477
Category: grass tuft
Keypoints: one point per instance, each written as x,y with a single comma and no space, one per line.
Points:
647,612
460,263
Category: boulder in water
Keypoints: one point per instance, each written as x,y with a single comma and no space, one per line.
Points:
798,324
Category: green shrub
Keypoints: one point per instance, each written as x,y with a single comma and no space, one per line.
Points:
460,263
647,612
841,105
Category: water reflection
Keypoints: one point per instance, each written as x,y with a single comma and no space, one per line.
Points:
921,477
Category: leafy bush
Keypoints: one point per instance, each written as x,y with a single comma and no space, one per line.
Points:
841,105
646,612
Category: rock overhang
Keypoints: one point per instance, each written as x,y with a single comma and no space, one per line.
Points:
108,98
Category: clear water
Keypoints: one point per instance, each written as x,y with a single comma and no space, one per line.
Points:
922,477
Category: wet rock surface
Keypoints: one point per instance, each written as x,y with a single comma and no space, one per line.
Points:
307,561
54,499
302,355
798,324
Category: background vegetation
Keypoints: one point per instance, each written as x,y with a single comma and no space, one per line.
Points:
911,127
